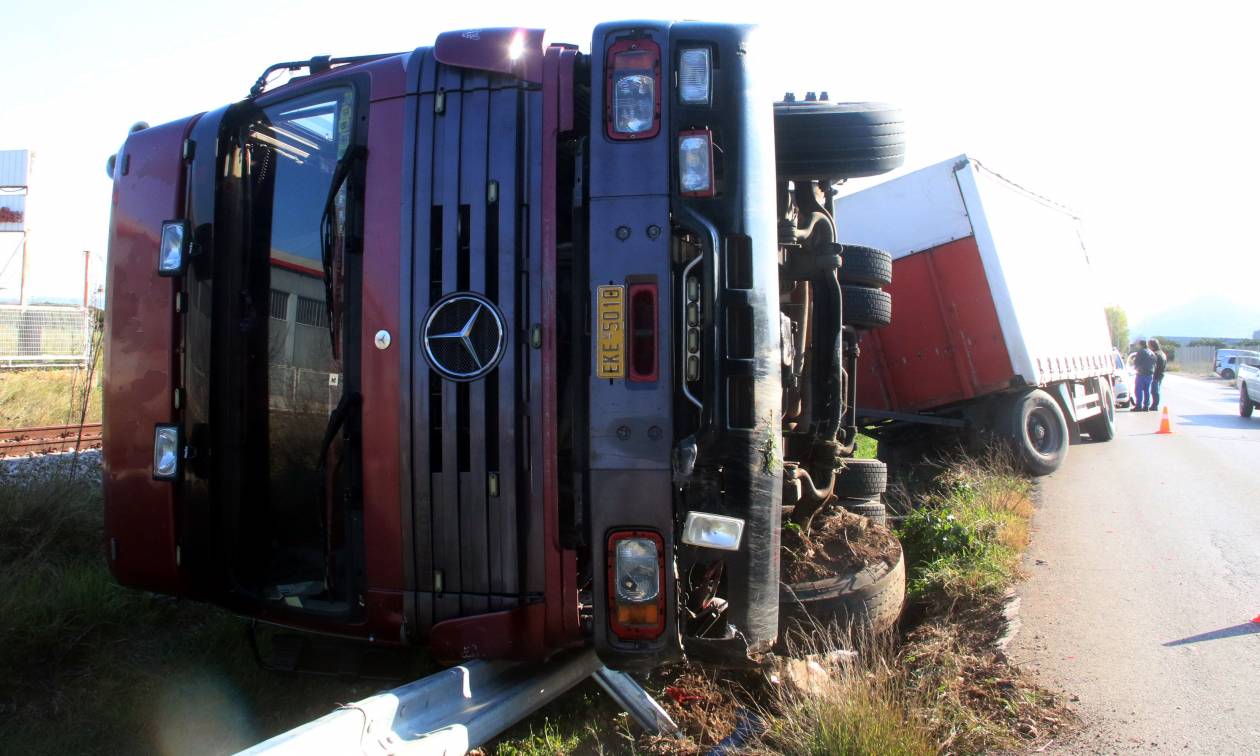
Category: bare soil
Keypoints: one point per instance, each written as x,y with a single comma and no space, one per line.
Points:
838,543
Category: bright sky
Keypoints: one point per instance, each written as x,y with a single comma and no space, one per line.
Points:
1143,117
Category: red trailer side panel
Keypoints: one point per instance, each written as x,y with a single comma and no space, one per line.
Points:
945,334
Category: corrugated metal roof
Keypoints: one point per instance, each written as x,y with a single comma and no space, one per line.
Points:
14,167
12,212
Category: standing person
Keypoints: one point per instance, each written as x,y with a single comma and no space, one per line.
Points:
1144,366
1157,374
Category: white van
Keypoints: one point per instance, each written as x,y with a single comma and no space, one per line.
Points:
1227,361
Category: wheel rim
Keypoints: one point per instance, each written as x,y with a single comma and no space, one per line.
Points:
1042,432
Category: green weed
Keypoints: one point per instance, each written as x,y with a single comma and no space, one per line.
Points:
964,539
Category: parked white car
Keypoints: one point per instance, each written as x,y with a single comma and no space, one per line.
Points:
1227,361
1248,386
1122,380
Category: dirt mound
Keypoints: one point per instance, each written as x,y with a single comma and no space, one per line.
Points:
838,543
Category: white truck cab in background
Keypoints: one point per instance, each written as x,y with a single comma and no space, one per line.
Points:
1227,361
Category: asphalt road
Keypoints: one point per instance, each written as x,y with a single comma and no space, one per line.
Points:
1144,576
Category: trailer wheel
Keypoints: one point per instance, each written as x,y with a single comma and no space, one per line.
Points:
822,141
865,266
1102,427
1036,426
861,478
871,508
864,307
1245,405
871,598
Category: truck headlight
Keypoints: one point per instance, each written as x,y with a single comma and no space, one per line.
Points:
173,248
165,452
634,93
694,76
713,531
638,571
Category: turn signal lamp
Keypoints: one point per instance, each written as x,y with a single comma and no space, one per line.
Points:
173,248
165,452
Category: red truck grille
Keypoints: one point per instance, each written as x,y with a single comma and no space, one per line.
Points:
470,363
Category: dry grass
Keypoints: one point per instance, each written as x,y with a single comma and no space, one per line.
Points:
971,698
30,398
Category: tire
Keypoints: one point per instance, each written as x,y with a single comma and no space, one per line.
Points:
865,266
1227,374
1103,426
1036,427
861,479
864,307
872,509
871,597
1245,405
821,141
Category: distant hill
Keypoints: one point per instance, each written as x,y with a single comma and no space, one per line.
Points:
1216,317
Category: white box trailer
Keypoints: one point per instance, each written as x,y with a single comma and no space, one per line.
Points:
997,323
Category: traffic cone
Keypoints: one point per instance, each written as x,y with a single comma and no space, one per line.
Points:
1165,426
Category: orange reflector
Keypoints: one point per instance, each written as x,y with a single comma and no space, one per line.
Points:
637,614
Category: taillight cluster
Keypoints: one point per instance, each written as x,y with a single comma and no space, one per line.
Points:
636,584
634,91
633,104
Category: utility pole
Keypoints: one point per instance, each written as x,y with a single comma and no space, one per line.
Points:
87,265
23,298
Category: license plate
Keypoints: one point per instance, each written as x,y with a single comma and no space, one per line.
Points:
610,330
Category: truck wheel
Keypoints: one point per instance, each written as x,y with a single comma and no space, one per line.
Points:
1227,374
865,266
871,597
871,508
864,307
1102,427
1038,430
1245,405
821,141
861,478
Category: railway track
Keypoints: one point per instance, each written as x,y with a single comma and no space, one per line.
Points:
15,442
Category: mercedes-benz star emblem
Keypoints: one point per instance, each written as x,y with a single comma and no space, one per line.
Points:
464,336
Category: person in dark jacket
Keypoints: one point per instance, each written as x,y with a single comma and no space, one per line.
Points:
1157,373
1144,366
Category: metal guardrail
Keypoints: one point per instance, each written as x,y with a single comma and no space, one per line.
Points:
458,709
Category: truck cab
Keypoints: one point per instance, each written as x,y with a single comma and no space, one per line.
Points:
495,347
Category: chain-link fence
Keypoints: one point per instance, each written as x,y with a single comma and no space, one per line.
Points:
44,336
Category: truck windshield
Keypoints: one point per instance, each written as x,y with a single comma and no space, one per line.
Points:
294,149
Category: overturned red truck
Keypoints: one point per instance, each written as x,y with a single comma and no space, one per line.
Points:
496,346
